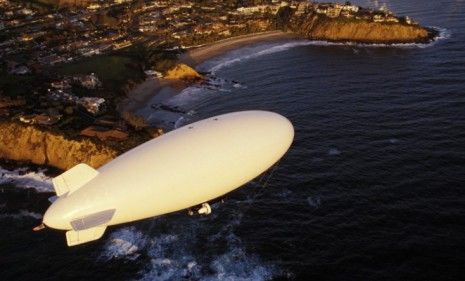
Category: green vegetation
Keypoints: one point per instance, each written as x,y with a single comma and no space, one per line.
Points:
113,70
160,58
283,17
20,85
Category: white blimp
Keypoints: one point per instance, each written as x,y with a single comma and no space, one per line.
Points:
187,167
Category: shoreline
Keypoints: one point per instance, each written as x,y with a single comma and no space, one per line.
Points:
154,91
198,55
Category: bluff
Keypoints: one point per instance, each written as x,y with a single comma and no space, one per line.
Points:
183,72
39,146
362,31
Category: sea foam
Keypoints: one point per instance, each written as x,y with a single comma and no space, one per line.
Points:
182,247
25,178
247,53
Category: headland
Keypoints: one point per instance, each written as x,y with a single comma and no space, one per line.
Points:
88,94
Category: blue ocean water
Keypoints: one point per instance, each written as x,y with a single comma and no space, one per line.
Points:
372,188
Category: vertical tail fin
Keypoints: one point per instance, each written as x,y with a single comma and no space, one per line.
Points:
73,179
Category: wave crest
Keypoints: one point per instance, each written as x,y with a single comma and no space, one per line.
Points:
25,178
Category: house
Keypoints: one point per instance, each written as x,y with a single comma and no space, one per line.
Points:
90,81
93,6
258,9
378,18
347,14
25,37
334,12
409,20
122,44
303,8
153,73
320,9
26,12
61,84
94,105
40,119
392,19
350,8
330,10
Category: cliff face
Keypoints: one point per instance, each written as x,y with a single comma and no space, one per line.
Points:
322,28
183,72
27,143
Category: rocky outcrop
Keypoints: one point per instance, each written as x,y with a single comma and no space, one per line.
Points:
183,72
339,30
32,144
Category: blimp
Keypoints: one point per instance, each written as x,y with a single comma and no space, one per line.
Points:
187,167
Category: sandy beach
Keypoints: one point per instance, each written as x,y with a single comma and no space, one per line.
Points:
148,95
198,55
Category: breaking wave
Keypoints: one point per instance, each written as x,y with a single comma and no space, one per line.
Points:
25,178
243,54
124,243
188,248
193,96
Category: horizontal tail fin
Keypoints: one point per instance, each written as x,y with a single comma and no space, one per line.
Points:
74,238
88,228
73,179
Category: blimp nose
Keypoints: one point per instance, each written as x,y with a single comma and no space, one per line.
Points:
54,218
281,129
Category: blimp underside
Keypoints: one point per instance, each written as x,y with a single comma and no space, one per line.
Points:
184,168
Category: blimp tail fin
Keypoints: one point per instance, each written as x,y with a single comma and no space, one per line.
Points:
74,238
73,179
89,228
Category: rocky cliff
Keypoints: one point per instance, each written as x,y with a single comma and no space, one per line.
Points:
31,144
341,30
183,72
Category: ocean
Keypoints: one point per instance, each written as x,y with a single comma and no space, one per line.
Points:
371,189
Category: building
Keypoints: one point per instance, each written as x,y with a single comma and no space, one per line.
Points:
262,9
94,105
90,81
350,8
378,18
40,119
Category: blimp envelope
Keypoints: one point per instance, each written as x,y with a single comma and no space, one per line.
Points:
181,169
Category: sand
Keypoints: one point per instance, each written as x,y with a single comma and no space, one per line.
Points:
198,55
153,91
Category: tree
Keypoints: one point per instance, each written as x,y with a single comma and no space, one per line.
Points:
283,17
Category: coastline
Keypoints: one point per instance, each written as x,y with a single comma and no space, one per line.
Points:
198,55
155,91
